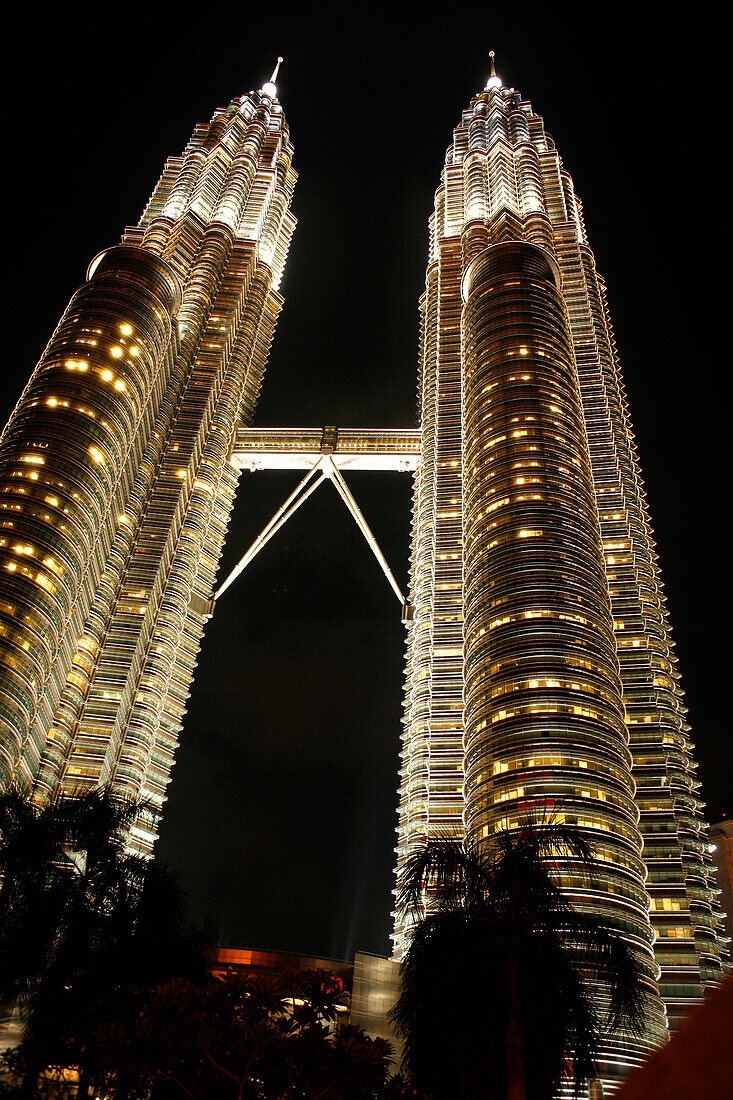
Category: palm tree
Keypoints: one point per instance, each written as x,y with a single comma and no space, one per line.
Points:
31,849
65,890
501,982
81,917
140,941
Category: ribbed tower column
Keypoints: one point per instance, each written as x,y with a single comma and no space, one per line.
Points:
67,457
544,718
115,480
504,182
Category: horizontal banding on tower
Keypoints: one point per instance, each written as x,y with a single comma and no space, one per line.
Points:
545,731
150,272
69,453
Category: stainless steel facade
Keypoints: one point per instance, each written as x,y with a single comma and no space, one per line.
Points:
541,677
116,483
541,674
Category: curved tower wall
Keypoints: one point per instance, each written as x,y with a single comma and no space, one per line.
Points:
219,222
503,181
544,719
68,456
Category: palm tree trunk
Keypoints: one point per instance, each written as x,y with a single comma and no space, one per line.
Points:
516,1088
33,1072
82,1089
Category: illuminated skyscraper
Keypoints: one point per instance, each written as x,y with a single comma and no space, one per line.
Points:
541,675
116,484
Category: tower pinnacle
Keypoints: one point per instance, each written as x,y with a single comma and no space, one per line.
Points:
270,88
494,81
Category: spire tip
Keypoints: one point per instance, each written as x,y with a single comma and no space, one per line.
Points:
269,88
494,81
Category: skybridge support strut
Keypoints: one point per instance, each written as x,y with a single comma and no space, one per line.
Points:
283,514
325,467
343,491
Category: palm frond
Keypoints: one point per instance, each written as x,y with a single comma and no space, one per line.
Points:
615,964
549,838
446,867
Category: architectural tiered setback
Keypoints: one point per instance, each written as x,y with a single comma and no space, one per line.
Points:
541,680
115,481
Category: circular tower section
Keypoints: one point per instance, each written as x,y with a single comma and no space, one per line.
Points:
545,735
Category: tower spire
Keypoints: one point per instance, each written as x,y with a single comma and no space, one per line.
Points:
494,81
270,88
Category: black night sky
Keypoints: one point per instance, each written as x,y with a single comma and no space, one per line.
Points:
281,814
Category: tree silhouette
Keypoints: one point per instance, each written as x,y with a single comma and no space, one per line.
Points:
503,978
82,918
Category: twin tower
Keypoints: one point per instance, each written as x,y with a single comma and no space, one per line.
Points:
541,678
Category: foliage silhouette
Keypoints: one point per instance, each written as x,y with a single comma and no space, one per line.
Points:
113,983
257,1037
506,989
81,917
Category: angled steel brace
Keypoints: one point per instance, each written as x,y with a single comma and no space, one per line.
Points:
331,470
328,469
283,514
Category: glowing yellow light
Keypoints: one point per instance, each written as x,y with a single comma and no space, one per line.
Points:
52,402
126,330
107,375
97,455
135,351
116,352
120,385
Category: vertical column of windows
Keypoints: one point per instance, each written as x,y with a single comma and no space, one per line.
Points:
689,947
413,792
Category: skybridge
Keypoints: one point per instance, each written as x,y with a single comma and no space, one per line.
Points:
396,449
325,454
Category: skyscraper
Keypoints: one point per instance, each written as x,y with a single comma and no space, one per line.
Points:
541,676
541,673
116,484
